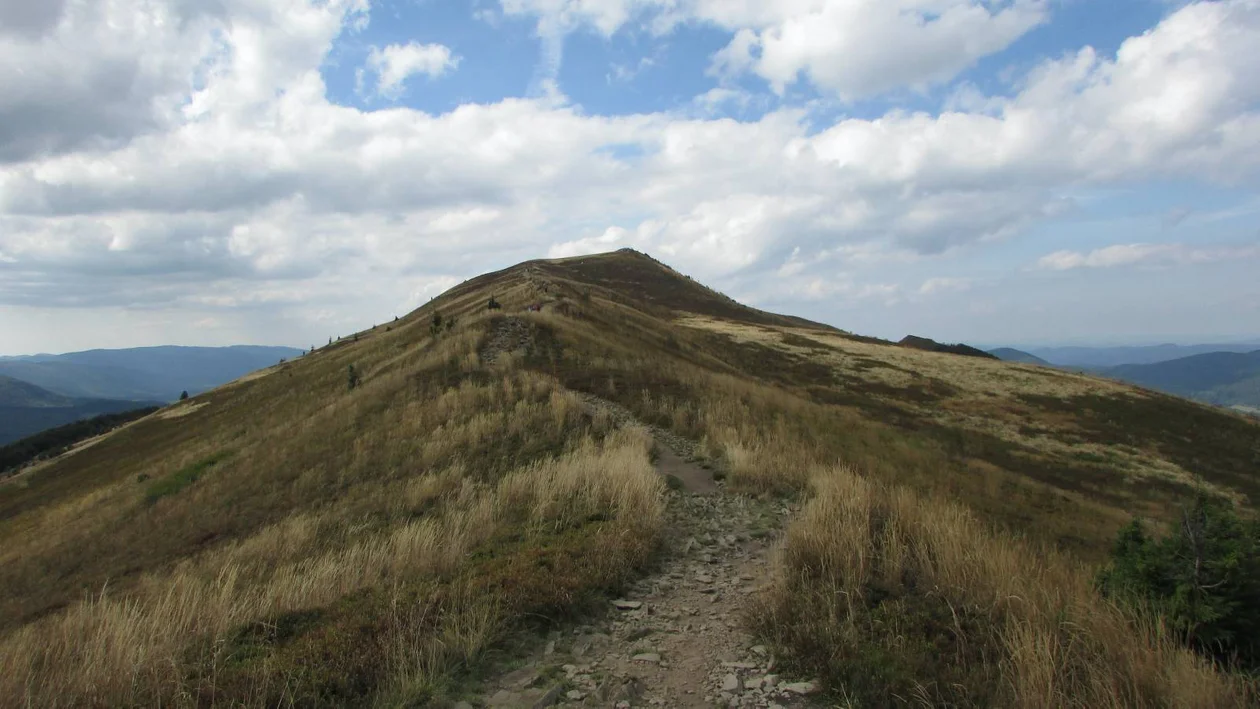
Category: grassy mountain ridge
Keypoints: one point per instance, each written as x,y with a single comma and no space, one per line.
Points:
291,539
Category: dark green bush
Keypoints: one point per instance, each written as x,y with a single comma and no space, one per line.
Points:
1204,578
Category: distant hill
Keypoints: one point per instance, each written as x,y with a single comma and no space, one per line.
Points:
1010,354
928,345
17,393
26,409
1222,378
141,374
1100,357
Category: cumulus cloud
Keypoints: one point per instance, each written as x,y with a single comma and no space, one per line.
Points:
933,286
30,18
232,166
1145,254
857,48
848,48
396,63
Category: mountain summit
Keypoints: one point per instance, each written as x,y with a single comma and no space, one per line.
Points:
594,480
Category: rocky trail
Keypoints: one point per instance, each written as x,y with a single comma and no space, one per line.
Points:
675,639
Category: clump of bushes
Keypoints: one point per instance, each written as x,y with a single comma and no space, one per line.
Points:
1203,578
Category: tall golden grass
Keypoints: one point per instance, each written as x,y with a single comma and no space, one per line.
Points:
873,573
147,645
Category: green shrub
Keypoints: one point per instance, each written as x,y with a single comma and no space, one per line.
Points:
1204,578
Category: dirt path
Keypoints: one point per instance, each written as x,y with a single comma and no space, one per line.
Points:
675,640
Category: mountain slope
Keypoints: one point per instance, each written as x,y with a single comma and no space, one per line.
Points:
144,373
382,521
1010,354
1224,378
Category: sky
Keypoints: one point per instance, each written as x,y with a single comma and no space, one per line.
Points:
208,172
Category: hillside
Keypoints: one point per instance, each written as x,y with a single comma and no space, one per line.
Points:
142,373
640,494
1010,354
26,409
1222,378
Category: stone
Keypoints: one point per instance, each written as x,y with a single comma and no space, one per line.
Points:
550,697
650,657
759,650
732,683
590,643
504,699
522,678
575,696
624,605
638,634
770,680
754,683
740,665
801,688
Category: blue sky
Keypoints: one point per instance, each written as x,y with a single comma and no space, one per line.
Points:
279,171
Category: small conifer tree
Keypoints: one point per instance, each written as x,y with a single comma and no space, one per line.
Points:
352,377
183,395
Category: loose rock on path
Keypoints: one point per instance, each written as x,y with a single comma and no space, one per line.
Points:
675,639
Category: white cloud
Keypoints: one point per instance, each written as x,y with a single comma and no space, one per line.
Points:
396,63
237,172
857,48
849,48
933,286
1145,254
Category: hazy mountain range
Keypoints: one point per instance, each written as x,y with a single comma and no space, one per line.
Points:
1098,357
143,373
26,409
42,391
1225,375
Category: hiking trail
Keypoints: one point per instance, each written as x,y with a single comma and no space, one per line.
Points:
675,639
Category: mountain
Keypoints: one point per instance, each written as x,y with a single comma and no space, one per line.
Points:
1102,357
17,393
477,504
26,409
141,374
1223,378
1010,354
927,345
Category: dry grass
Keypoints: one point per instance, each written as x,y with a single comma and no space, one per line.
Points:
133,649
905,600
